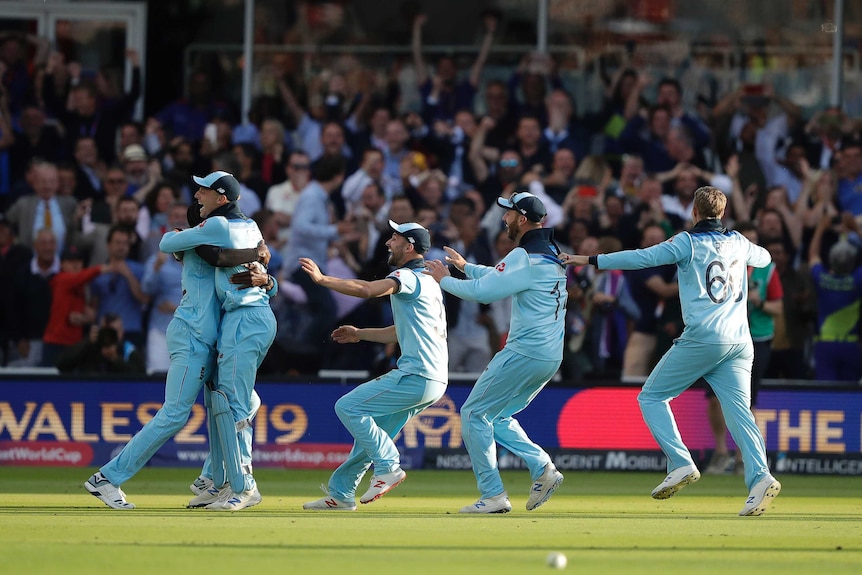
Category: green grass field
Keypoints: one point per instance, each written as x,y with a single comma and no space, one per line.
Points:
605,523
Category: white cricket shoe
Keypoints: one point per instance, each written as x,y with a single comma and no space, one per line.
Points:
236,501
497,504
111,495
676,480
761,496
200,485
329,503
544,487
382,484
210,495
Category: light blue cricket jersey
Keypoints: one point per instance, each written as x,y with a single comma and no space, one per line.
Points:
713,281
223,231
199,307
533,276
420,323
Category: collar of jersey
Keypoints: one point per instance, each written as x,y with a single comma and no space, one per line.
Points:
230,211
709,225
415,264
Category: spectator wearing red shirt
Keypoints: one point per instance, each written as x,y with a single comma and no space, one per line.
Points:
69,312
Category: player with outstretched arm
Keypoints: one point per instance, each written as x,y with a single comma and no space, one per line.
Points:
533,275
376,411
715,344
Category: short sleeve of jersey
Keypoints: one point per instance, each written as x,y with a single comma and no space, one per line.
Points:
407,281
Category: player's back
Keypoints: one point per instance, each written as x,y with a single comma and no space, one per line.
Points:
199,308
243,233
713,286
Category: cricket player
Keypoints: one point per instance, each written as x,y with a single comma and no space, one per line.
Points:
533,275
376,411
191,336
247,331
715,344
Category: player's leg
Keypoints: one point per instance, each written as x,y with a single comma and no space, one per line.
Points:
247,334
528,377
683,364
190,367
486,399
731,381
417,393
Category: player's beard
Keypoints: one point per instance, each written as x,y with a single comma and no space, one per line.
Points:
394,260
513,231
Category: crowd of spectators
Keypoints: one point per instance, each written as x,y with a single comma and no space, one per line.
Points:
87,192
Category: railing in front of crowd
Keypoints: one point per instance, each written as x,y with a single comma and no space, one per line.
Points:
801,74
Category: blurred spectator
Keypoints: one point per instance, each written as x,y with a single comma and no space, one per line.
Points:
70,311
115,187
139,176
613,307
119,291
442,95
7,139
502,119
89,169
645,209
273,153
104,351
562,176
14,264
31,306
187,117
266,222
34,138
162,283
792,327
282,198
153,215
850,182
649,288
248,159
87,116
839,291
310,234
369,172
371,217
44,209
66,173
472,333
564,131
534,151
16,73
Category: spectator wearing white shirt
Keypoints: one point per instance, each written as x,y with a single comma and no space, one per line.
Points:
281,198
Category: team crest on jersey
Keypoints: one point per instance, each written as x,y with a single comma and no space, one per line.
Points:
500,267
200,225
396,273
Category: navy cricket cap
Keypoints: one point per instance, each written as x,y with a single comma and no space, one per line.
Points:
222,182
525,204
415,234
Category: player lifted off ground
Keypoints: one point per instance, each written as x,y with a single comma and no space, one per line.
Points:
532,274
247,331
376,411
191,337
715,344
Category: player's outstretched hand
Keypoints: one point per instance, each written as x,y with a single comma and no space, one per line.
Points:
309,267
256,276
345,334
455,258
436,269
573,259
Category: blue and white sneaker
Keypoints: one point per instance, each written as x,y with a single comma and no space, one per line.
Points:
760,497
497,504
200,485
544,487
209,495
676,480
111,495
236,501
